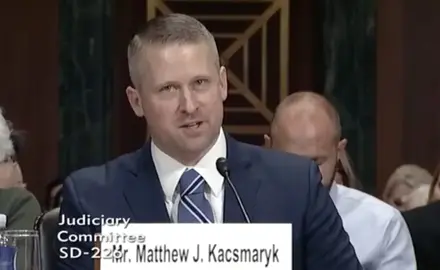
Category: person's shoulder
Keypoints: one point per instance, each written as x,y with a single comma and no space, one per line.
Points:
100,175
422,214
275,158
281,170
17,195
368,205
20,202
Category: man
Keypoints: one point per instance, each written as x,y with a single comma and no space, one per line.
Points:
179,88
18,207
306,124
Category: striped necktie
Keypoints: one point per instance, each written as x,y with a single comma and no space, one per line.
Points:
193,206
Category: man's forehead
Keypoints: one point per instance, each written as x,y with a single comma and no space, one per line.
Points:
169,57
177,51
307,122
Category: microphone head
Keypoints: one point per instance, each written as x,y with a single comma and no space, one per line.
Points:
222,166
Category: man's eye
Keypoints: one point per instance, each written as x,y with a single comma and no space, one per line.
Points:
201,81
167,88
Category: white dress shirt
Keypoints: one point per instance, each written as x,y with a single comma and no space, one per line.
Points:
377,231
170,170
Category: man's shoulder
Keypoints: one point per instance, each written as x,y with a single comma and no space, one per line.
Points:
276,159
101,175
19,202
369,206
426,214
280,170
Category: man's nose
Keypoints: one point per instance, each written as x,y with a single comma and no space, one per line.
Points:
188,102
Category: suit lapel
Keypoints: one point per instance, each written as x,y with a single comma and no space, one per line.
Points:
245,180
143,192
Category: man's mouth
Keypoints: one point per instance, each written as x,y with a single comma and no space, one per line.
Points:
192,125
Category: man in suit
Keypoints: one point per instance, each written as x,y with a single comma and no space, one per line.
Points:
305,123
179,88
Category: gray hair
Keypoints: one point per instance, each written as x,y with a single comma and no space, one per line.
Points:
6,146
169,29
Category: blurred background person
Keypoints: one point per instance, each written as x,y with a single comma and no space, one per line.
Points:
306,124
10,171
403,182
17,205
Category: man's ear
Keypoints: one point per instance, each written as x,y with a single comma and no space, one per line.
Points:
342,144
223,82
267,141
135,101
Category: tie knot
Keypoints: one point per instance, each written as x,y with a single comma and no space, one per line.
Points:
191,182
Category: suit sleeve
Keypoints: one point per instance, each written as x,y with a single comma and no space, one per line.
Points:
71,208
398,250
327,244
24,210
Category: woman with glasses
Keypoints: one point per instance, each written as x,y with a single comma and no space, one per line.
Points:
18,207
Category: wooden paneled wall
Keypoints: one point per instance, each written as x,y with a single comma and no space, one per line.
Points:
29,84
408,85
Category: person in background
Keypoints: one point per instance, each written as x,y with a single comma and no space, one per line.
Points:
403,182
306,123
17,205
424,225
422,195
53,194
10,171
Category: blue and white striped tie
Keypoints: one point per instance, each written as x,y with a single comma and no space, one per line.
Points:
193,206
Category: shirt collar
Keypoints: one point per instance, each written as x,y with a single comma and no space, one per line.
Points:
170,170
334,192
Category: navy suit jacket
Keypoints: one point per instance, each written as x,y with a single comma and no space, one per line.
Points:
275,187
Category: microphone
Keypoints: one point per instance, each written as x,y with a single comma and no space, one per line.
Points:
222,168
3,221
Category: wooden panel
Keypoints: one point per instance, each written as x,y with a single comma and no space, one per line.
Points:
421,137
29,84
128,130
390,89
408,85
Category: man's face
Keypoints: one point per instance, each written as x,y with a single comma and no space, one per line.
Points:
181,96
313,140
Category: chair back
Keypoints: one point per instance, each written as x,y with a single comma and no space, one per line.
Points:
47,227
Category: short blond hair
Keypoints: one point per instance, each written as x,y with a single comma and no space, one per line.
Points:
410,174
173,28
